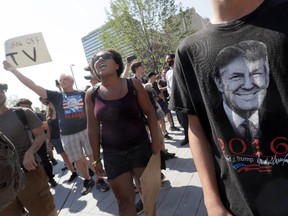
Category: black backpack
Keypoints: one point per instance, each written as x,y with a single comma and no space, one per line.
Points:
12,176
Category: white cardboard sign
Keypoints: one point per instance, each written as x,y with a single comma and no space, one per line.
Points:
27,50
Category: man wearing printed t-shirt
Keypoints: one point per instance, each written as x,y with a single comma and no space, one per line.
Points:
242,172
70,108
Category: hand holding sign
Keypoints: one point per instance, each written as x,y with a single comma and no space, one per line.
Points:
26,50
8,66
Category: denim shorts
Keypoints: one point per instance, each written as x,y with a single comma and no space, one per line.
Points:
117,162
57,144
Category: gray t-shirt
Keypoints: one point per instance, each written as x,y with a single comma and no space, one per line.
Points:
12,127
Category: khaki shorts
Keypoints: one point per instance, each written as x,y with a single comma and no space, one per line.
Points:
77,145
36,197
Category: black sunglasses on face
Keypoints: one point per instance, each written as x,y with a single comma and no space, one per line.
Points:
104,56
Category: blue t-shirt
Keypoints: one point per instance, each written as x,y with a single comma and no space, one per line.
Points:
70,109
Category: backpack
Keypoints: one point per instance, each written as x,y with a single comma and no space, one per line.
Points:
12,176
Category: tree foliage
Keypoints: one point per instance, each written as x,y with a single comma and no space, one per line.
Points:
148,28
11,100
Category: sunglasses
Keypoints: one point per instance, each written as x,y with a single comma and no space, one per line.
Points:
104,56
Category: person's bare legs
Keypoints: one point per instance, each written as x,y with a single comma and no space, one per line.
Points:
67,162
170,119
161,138
163,126
123,189
89,164
137,174
82,168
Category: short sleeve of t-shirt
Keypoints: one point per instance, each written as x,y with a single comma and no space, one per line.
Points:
33,120
13,128
180,98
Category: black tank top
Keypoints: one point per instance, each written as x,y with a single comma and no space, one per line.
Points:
122,127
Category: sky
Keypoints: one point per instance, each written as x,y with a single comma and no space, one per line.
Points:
63,23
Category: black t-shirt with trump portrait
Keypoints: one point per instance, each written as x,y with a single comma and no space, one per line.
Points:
234,77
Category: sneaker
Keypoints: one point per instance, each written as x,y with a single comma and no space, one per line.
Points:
87,186
102,185
173,128
169,155
52,183
166,136
91,173
64,168
25,212
136,189
163,177
54,162
72,177
139,207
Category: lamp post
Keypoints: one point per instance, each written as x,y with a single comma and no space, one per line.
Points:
73,75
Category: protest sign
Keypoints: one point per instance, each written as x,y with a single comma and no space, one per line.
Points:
150,184
27,50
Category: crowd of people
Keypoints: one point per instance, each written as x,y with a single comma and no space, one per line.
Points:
227,85
78,124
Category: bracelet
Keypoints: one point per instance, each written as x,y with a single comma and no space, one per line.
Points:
94,163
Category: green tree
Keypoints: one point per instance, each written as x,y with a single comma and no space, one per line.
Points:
11,100
180,26
143,27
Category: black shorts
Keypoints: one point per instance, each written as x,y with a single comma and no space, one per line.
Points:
164,106
117,162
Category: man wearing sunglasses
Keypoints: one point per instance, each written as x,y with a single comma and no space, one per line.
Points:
70,108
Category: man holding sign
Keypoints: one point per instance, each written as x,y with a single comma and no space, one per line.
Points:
70,108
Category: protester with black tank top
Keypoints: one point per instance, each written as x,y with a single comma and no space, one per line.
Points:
124,139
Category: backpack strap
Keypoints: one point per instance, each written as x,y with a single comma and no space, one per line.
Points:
130,82
93,95
23,118
141,114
